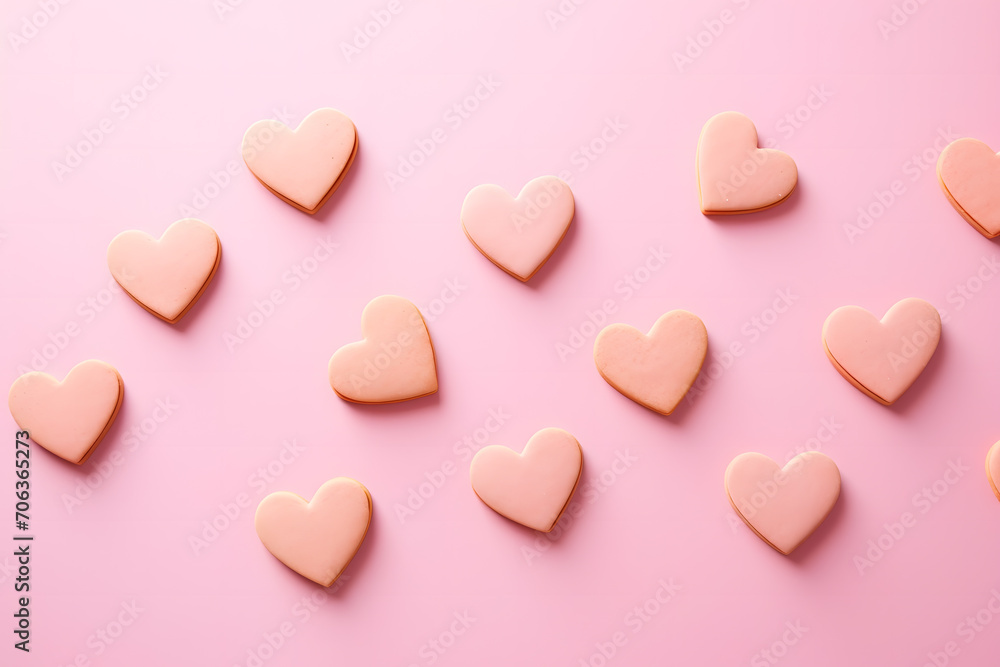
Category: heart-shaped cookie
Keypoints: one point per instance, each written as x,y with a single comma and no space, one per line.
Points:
166,276
68,418
394,362
519,235
786,505
993,468
734,175
883,359
657,369
317,538
969,173
534,487
305,165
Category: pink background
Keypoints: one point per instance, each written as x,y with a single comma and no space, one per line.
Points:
665,516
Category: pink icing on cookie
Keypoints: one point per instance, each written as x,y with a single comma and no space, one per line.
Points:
317,538
883,359
654,370
519,235
395,361
969,173
166,276
68,418
302,166
993,468
786,505
534,487
734,175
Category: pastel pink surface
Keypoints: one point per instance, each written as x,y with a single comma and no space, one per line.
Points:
305,165
654,370
395,361
993,468
533,487
317,538
166,275
883,358
785,505
969,172
734,175
68,418
519,234
599,102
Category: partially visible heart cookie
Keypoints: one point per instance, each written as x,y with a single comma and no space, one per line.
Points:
969,173
654,370
534,487
519,235
316,538
68,418
993,468
883,358
166,276
734,175
786,505
394,362
305,165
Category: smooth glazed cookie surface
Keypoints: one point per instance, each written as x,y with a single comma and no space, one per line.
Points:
734,175
303,166
394,362
883,358
519,234
68,418
166,276
784,506
316,538
969,173
656,369
533,487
